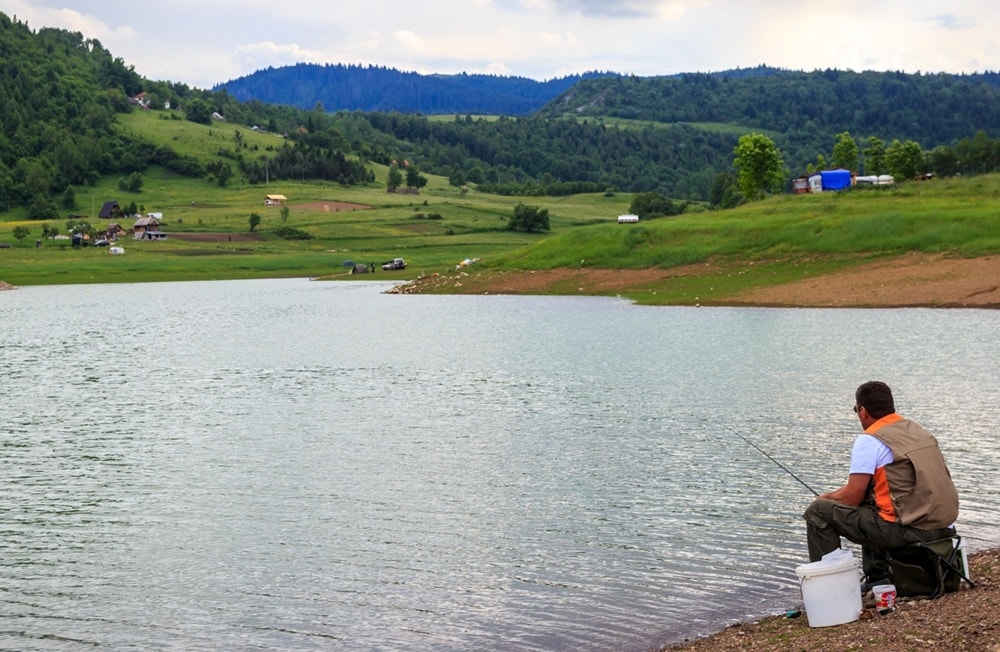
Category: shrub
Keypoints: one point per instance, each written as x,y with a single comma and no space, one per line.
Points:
529,218
289,233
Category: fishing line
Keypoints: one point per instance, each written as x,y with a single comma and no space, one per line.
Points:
764,453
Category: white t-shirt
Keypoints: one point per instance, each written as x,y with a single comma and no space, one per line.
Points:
868,454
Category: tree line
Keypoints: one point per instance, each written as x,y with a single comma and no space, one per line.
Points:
553,156
800,110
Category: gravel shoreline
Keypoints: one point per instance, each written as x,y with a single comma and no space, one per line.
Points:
968,619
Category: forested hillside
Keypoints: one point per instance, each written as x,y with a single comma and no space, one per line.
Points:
61,96
531,156
673,134
339,87
933,109
58,97
805,110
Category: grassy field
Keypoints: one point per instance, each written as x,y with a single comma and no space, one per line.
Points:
433,231
959,216
443,225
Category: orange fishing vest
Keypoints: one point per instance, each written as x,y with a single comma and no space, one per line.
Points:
916,488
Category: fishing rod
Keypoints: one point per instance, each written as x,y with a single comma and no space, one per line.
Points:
764,453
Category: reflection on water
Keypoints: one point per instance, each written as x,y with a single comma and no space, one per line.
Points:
288,464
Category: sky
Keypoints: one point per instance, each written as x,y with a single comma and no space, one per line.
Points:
206,42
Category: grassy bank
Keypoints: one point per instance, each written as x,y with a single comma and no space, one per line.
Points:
782,239
958,216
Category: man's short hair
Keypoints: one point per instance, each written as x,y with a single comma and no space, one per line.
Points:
876,397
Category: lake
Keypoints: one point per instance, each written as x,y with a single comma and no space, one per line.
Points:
289,464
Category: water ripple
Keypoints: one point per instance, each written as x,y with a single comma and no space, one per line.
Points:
504,473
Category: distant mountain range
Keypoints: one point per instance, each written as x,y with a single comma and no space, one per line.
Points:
339,87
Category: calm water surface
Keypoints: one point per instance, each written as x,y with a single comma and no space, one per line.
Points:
299,465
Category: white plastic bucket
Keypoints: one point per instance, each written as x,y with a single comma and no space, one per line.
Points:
831,592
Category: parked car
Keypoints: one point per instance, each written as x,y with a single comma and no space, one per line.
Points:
395,263
4,245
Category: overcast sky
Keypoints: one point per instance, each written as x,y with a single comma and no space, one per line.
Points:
206,42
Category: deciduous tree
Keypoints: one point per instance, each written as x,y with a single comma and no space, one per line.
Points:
905,160
69,198
875,156
759,165
845,152
653,204
198,110
21,232
395,178
42,208
131,183
414,179
529,218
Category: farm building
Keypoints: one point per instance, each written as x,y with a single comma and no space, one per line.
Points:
148,228
274,200
113,231
111,211
629,218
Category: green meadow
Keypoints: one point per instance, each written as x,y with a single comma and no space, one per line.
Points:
957,216
783,237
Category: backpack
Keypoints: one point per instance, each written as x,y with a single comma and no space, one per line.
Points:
927,569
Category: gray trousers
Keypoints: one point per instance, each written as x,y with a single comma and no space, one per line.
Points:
828,520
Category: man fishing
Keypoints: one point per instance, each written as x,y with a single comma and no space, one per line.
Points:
899,491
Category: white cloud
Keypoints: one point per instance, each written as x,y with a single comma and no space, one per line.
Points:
609,8
951,21
205,43
91,26
267,53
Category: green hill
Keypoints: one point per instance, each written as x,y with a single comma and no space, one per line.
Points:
73,138
804,110
719,254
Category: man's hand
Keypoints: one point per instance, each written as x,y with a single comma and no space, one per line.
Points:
852,493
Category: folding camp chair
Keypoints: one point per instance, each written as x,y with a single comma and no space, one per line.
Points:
927,569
